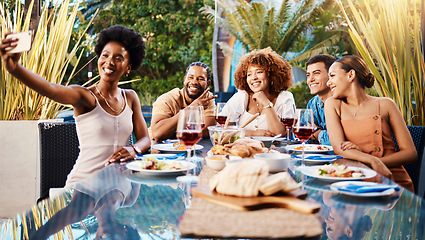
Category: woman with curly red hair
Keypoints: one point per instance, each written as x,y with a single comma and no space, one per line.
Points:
262,78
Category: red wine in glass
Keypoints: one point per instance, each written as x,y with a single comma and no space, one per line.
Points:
288,122
303,133
193,126
190,137
221,119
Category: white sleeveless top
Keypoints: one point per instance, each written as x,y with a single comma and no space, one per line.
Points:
99,134
238,104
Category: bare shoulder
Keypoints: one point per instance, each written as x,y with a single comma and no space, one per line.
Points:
85,93
388,105
332,103
131,94
387,102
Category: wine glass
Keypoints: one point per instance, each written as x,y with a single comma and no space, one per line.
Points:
219,116
189,132
303,127
201,116
202,120
286,114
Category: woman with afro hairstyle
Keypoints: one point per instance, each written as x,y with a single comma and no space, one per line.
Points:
262,78
105,115
360,126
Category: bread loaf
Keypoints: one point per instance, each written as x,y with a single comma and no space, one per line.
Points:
241,179
279,182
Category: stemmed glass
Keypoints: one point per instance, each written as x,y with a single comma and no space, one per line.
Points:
202,120
303,127
286,114
189,132
219,116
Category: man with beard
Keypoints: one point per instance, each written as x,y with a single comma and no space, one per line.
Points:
195,92
317,77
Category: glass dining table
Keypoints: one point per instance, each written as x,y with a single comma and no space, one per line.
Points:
120,203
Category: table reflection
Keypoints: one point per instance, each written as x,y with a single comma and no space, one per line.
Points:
100,196
117,203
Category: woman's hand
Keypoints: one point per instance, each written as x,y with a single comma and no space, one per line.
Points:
10,60
123,154
259,132
347,145
380,167
261,99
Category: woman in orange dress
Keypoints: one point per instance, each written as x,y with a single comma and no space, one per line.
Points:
360,126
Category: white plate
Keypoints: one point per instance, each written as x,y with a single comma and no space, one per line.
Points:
168,147
322,158
309,148
158,156
335,187
283,141
151,179
311,171
137,166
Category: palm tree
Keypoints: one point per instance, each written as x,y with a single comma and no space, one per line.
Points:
261,24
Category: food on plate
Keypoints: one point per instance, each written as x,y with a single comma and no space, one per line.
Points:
337,170
313,148
152,163
179,146
279,182
244,147
242,179
218,150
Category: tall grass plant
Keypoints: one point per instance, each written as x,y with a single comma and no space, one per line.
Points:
388,37
49,57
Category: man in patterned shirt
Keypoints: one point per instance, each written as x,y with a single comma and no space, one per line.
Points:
317,77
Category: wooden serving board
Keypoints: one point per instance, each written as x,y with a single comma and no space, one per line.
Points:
255,203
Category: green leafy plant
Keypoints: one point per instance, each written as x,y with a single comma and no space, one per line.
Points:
261,24
387,35
175,34
48,57
301,94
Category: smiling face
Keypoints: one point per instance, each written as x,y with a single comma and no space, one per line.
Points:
195,81
257,79
113,62
339,80
317,77
336,226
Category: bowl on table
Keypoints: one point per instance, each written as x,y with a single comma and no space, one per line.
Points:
277,162
216,162
221,135
267,141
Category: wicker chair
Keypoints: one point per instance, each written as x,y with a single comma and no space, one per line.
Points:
58,153
414,169
59,149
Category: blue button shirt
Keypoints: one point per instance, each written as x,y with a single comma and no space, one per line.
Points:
318,108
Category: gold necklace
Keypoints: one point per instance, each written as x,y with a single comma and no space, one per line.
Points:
360,107
107,103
